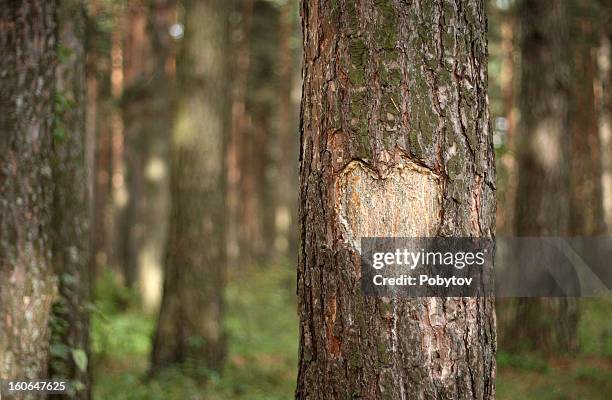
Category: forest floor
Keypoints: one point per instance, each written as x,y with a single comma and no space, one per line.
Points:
262,329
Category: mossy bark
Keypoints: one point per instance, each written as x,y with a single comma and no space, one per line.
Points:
395,141
190,326
71,209
28,41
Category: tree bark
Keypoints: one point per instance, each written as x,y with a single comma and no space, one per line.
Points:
190,321
27,281
395,141
71,209
543,197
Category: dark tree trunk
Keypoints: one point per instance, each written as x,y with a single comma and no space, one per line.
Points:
543,197
71,208
27,282
190,320
395,127
257,161
587,212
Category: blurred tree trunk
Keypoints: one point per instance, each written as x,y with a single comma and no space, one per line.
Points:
394,100
99,111
239,124
507,191
117,232
27,281
71,209
286,212
147,120
258,162
587,213
543,197
604,63
190,320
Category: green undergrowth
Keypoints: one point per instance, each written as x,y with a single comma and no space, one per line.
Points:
262,327
585,375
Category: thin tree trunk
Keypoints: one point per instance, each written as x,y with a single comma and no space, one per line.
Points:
286,212
587,213
395,127
27,282
604,62
234,151
71,209
190,320
543,197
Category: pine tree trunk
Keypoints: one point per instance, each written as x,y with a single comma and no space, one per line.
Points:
543,197
286,212
395,142
148,123
587,212
71,208
190,320
27,282
237,249
604,62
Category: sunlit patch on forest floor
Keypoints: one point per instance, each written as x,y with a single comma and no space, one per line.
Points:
262,331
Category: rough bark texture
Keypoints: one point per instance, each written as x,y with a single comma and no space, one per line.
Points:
27,281
395,142
543,202
148,123
190,322
71,208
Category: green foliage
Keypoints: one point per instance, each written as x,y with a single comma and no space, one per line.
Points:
118,328
570,377
80,359
525,362
63,53
586,375
63,105
262,328
595,329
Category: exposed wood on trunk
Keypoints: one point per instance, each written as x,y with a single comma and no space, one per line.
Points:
395,142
